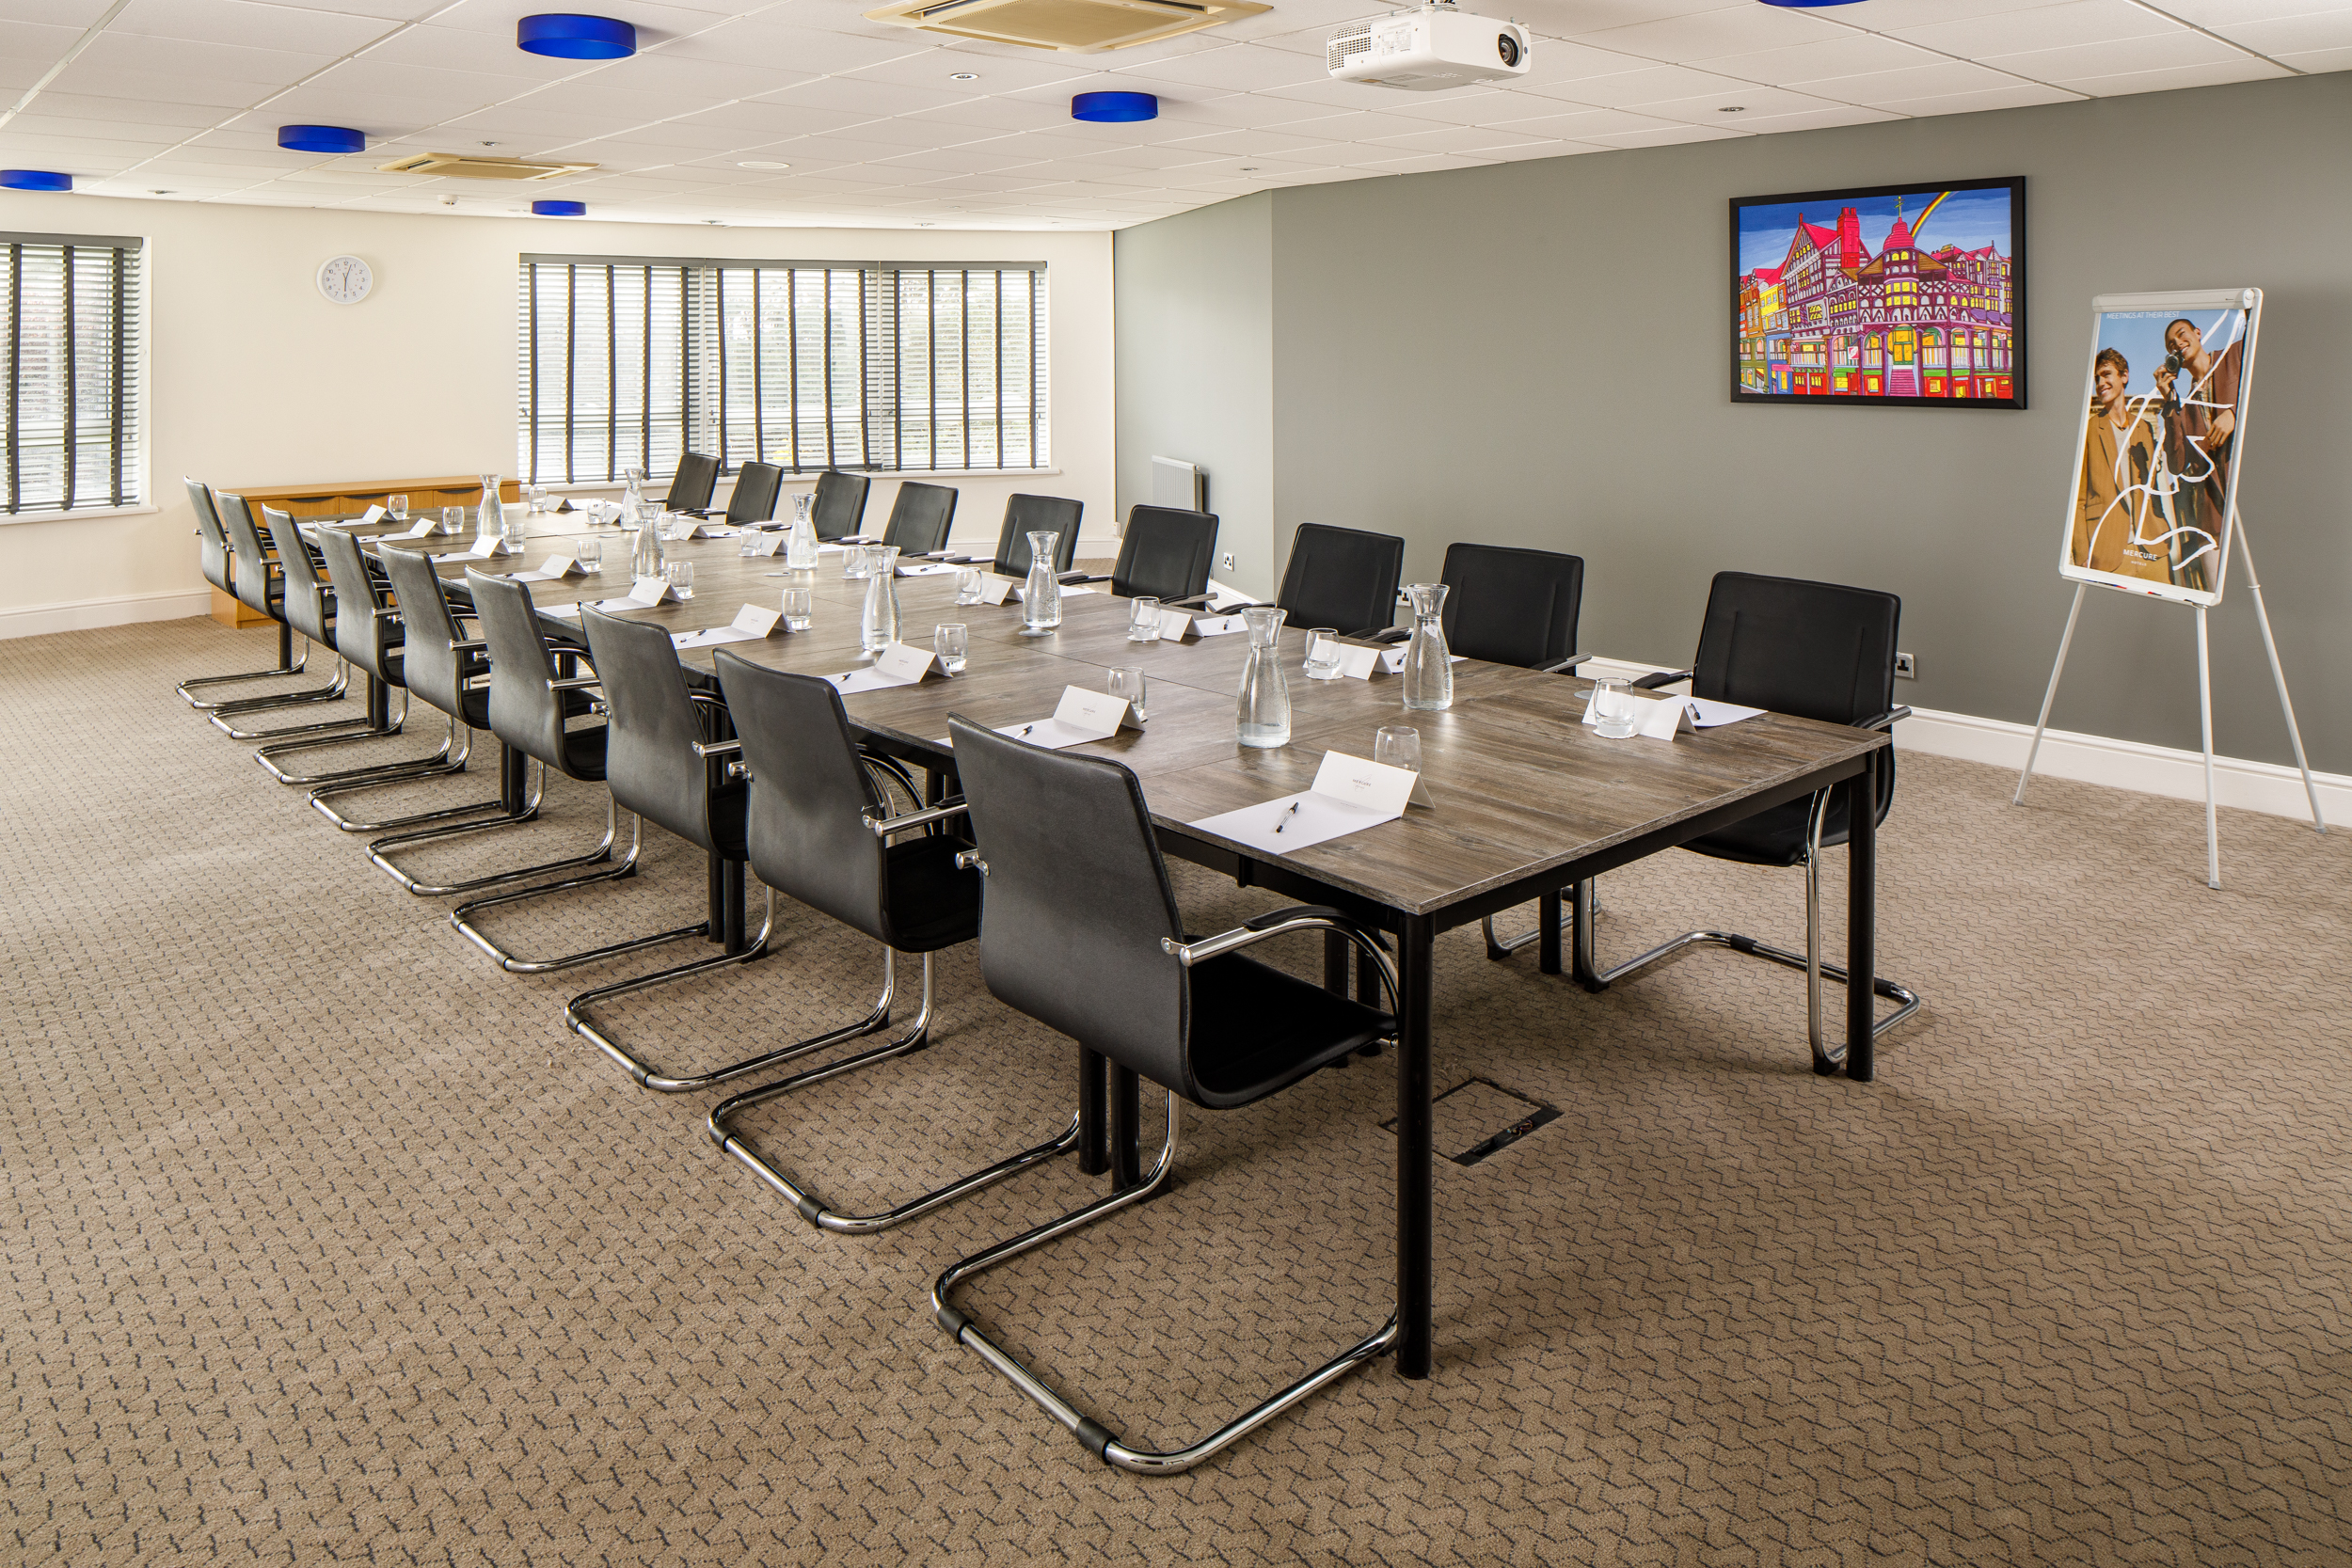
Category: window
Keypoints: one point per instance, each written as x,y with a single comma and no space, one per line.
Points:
70,401
629,361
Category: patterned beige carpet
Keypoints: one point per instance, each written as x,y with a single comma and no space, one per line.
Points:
324,1242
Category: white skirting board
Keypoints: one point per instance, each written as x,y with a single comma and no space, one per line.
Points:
2270,787
121,609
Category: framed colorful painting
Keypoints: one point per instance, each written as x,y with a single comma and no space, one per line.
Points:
1909,297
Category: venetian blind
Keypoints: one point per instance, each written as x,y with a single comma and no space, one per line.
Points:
70,399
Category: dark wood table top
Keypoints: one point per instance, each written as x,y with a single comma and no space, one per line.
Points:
1521,785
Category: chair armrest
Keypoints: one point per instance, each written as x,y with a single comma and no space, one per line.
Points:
1083,577
388,612
1562,667
1178,604
884,826
1387,634
1274,923
717,748
469,647
1884,721
1657,679
577,683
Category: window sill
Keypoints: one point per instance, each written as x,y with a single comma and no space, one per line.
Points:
80,514
810,477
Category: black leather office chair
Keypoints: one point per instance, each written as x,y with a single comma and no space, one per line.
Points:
840,509
313,608
822,831
1818,651
754,499
1080,930
920,518
213,558
528,711
692,487
369,636
1510,605
449,671
1341,577
259,583
1165,554
1027,514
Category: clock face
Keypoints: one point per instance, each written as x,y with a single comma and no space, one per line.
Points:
345,280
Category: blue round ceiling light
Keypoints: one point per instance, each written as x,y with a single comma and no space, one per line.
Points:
1114,108
34,179
560,209
322,138
565,37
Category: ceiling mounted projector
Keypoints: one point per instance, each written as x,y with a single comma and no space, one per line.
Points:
1428,50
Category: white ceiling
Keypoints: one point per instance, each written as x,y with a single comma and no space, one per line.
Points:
182,98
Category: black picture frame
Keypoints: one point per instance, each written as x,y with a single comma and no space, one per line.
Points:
1879,328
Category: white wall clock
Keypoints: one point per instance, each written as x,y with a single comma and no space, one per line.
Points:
345,280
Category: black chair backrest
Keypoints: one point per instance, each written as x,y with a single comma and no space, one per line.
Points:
698,476
310,608
429,662
1027,514
920,517
754,499
1076,901
649,760
211,547
1165,554
1511,606
524,711
806,825
1817,650
840,509
1341,577
248,559
367,639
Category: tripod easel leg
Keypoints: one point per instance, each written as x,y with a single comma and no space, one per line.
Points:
2204,711
2278,677
2065,641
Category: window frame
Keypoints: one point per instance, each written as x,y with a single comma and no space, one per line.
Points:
131,492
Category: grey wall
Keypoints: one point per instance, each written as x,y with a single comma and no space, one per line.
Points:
1193,302
1536,353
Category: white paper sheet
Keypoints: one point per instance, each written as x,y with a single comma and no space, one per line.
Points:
1182,626
1081,716
751,624
553,569
927,569
1350,795
900,664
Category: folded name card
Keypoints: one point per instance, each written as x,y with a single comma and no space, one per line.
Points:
926,568
682,526
900,664
1080,717
373,514
422,529
553,569
483,549
766,544
1350,795
996,589
750,624
1364,661
1663,718
1182,626
643,594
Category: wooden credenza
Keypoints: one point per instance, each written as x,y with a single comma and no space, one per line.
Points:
341,497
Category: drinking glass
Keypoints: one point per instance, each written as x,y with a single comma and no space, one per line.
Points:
854,562
538,499
1399,745
1143,622
952,642
453,520
1323,654
398,507
968,585
589,555
800,605
1126,680
681,576
1613,707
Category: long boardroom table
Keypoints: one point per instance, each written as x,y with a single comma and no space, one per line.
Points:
1527,799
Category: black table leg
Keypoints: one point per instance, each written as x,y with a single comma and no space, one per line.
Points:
714,879
731,905
1127,1129
1861,880
1415,1203
514,770
1548,921
1582,966
1093,1135
1335,963
379,704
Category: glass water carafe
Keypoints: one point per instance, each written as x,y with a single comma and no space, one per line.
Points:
490,525
634,479
799,545
646,559
880,627
1040,596
1262,710
1428,667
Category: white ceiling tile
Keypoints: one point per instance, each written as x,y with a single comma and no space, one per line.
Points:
781,47
981,115
1592,16
124,110
2023,95
430,89
1585,124
2223,16
1174,155
1454,138
1879,88
1814,120
949,160
1359,126
878,100
2299,34
2079,22
1527,152
254,26
1336,97
1660,84
2244,67
455,49
33,41
1668,137
1427,163
712,81
936,69
1237,67
1888,16
1731,30
179,58
2163,52
775,119
1246,143
1749,101
73,14
1850,55
2320,61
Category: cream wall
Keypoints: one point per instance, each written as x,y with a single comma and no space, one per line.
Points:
253,379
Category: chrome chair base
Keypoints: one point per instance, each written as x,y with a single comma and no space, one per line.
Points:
223,716
806,1203
528,811
462,917
456,749
1092,1436
287,665
367,729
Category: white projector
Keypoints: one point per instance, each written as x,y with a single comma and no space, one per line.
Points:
1428,50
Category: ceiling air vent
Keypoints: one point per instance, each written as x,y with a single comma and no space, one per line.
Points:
1079,26
467,166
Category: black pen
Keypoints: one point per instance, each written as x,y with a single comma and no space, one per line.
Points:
1286,817
1025,729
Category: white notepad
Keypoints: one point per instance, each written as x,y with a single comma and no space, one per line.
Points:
1350,795
1080,715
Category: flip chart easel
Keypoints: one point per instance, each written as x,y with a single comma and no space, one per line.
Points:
2205,700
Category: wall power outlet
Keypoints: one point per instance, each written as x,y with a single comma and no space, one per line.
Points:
1228,559
1906,668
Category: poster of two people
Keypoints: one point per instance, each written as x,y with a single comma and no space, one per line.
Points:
2156,477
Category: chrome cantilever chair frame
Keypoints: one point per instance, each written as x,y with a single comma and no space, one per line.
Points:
1096,1438
273,574
375,656
216,539
457,750
805,1201
323,610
